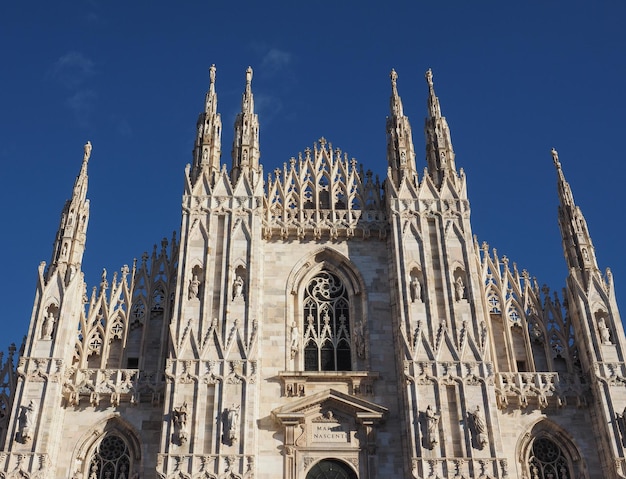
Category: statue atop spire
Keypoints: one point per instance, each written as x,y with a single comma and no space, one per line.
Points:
245,152
429,78
555,158
212,74
439,151
577,244
400,151
208,145
87,154
69,244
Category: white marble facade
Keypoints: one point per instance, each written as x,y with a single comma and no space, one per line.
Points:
306,325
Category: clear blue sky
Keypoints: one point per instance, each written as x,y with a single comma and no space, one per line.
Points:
514,80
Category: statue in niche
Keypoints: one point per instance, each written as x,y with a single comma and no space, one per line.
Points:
416,290
47,328
621,422
431,419
294,345
238,287
476,422
194,287
27,421
459,289
605,335
179,416
231,426
359,340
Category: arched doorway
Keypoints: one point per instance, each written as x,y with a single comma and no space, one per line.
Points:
331,469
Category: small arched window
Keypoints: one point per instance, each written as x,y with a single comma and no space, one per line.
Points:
547,460
326,324
111,459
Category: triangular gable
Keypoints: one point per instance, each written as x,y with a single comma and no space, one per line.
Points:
357,407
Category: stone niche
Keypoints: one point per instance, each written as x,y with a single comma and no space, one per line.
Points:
329,424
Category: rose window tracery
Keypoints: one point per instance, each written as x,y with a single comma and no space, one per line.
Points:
111,460
547,461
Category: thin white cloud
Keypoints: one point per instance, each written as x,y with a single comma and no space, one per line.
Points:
82,104
72,69
267,107
275,60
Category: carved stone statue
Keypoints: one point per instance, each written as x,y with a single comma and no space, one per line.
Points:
359,340
238,287
294,345
87,154
459,289
621,422
431,419
27,421
605,334
231,426
194,287
179,416
476,422
416,290
47,328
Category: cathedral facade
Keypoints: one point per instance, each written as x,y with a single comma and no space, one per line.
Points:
318,323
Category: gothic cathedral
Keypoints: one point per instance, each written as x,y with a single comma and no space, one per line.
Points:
318,323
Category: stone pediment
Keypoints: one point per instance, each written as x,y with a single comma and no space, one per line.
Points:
346,405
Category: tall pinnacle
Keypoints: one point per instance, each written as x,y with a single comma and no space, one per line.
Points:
208,146
400,151
577,245
69,244
439,151
245,152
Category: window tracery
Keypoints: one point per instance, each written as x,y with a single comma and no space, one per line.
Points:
547,460
111,459
326,339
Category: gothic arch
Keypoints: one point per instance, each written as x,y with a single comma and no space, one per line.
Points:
319,262
113,426
546,443
316,260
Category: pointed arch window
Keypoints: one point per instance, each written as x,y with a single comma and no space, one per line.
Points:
547,460
111,459
326,324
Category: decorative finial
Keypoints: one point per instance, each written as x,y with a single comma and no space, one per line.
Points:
555,158
212,73
429,77
249,75
394,77
87,151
